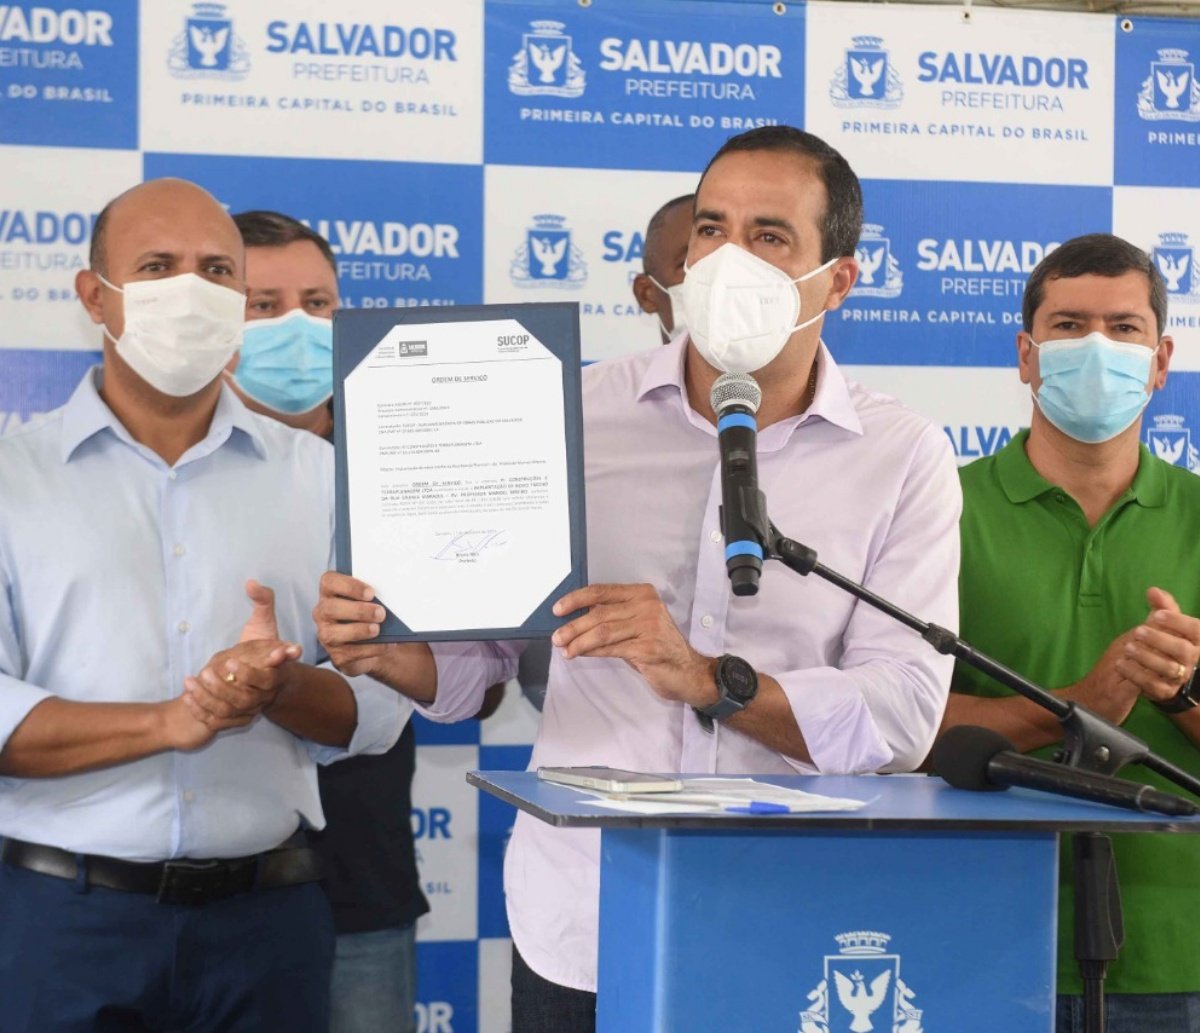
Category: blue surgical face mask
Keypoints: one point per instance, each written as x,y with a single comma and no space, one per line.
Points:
287,362
1093,388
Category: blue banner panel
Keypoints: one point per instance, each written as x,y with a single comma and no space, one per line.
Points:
1157,109
35,382
447,977
1170,418
646,85
404,234
943,267
434,733
69,74
495,827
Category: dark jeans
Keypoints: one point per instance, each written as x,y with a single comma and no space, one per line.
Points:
539,1006
1135,1013
104,961
375,981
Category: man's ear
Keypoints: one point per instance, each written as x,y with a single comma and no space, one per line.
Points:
845,275
1025,357
89,288
1162,361
645,293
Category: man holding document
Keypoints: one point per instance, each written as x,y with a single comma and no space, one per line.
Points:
666,670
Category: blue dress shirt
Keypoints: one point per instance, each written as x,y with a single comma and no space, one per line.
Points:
119,577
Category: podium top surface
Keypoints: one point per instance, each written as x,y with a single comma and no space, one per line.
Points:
896,803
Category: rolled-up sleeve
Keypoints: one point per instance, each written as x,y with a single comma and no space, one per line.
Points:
17,697
382,715
465,670
880,707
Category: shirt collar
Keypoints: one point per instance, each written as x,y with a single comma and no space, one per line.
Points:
832,401
86,415
1021,482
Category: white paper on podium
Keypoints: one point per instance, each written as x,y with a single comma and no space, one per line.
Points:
457,474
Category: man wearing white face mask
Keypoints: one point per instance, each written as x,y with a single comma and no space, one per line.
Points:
1079,570
658,287
666,671
158,734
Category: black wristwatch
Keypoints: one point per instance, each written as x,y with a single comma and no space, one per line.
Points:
1183,700
737,683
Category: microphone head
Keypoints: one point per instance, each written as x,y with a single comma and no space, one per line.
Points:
962,753
735,389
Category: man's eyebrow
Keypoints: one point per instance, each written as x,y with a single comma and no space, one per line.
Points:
1079,314
707,213
774,220
169,255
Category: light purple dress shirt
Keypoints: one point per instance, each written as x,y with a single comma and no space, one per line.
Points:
869,484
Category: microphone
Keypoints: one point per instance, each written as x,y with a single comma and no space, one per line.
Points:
735,398
979,758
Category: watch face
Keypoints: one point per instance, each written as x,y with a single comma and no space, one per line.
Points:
738,677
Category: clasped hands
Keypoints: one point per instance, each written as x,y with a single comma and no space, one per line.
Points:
237,684
1159,656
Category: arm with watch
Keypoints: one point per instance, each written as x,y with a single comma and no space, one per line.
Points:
1161,660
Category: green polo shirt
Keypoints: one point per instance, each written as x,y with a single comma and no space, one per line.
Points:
1045,594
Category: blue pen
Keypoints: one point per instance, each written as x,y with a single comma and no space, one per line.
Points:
759,807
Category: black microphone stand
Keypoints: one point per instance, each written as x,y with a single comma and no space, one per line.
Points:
1090,742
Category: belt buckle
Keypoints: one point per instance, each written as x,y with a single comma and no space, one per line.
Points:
194,882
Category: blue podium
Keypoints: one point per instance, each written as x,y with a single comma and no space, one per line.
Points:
930,910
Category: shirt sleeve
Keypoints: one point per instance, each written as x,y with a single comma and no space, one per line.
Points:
17,697
881,707
382,715
465,670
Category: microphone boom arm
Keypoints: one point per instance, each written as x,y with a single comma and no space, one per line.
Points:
1090,742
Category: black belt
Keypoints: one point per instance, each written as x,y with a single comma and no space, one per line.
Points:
185,881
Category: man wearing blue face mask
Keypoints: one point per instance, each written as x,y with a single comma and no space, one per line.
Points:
285,370
158,736
285,366
1079,569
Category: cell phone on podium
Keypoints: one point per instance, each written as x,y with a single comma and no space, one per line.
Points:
610,780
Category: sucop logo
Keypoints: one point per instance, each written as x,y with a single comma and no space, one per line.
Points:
879,274
866,77
1171,441
207,48
1171,90
861,990
546,64
1175,258
547,257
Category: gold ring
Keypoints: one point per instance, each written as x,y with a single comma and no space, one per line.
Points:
1180,672
230,677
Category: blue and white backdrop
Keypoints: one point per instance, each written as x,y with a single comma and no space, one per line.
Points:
428,140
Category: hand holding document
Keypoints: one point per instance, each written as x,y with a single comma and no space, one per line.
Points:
460,466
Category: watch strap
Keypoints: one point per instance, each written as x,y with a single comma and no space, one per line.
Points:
1183,701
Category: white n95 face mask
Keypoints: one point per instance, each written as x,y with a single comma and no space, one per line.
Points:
740,309
179,331
678,315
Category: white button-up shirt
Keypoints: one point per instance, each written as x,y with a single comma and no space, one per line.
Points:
867,483
120,576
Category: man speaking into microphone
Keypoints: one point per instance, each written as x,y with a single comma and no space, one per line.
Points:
668,670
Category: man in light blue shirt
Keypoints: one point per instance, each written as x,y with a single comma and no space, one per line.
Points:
149,710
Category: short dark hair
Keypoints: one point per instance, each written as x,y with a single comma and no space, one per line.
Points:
841,225
261,228
1094,254
658,220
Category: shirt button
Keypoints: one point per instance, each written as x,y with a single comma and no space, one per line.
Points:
716,537
179,550
184,627
706,621
172,475
1060,497
188,796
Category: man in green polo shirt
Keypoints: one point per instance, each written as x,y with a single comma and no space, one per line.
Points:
1080,568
